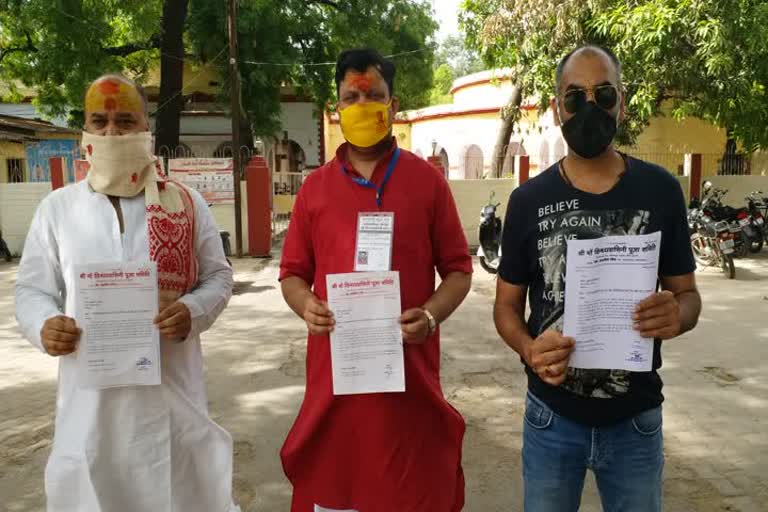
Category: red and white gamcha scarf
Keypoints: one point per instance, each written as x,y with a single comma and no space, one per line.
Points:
124,166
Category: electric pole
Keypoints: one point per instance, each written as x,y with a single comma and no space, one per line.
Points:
235,108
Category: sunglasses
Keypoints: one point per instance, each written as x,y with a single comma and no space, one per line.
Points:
606,97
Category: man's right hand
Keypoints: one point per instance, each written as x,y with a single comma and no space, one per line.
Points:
548,356
60,335
318,317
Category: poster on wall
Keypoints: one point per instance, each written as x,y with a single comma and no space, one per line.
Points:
38,153
212,177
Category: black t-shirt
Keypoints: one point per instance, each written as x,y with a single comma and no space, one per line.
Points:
545,212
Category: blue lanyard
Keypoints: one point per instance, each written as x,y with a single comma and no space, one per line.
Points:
367,184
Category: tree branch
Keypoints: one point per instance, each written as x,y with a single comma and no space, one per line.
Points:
329,3
130,48
29,47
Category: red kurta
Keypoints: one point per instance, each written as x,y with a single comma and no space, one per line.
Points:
384,452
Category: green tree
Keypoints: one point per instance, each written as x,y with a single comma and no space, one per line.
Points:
58,46
705,59
297,41
463,61
709,59
443,81
452,60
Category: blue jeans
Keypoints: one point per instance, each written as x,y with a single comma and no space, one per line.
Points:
627,459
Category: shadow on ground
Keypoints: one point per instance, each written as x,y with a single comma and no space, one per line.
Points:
716,388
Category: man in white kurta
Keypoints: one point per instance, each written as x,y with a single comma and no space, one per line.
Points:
126,449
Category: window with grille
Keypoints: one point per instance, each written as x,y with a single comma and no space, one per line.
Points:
15,170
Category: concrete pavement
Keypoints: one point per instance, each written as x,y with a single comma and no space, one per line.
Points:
715,414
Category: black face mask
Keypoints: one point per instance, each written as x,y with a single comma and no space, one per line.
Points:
590,131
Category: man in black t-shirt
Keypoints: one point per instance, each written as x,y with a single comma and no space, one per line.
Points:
606,420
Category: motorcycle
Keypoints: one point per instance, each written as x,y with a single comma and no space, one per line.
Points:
739,221
712,242
5,253
489,235
757,204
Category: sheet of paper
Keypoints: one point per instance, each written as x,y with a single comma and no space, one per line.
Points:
318,508
374,241
116,306
367,344
605,280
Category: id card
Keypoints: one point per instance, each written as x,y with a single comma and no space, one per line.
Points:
373,250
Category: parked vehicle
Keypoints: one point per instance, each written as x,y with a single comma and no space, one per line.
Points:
489,236
748,239
712,242
5,253
757,204
224,235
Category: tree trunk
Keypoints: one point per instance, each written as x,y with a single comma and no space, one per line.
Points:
171,101
510,114
246,137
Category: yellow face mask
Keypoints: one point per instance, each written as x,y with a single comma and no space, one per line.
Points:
365,124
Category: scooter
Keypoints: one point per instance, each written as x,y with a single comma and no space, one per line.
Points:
5,253
489,235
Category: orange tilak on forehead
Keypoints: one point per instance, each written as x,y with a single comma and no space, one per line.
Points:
113,95
362,81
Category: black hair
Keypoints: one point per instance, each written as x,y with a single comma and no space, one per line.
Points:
360,59
593,48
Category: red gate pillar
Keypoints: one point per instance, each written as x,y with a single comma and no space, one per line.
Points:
56,164
695,176
438,162
259,210
524,169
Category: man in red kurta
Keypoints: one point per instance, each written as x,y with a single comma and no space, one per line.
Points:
375,452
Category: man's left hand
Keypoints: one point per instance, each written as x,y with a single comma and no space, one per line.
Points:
415,326
175,321
658,316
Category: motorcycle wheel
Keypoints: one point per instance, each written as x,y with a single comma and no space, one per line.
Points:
729,269
702,253
742,248
756,245
487,267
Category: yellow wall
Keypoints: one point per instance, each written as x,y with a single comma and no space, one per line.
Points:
57,136
282,204
197,78
471,195
760,163
666,140
9,150
403,134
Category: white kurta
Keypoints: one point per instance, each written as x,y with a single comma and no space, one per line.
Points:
129,449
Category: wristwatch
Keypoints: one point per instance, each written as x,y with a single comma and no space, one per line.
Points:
431,321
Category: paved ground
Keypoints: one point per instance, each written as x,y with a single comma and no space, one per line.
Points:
716,387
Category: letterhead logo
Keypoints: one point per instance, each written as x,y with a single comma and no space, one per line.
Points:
144,364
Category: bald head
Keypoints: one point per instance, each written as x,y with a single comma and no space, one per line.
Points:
115,105
596,58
